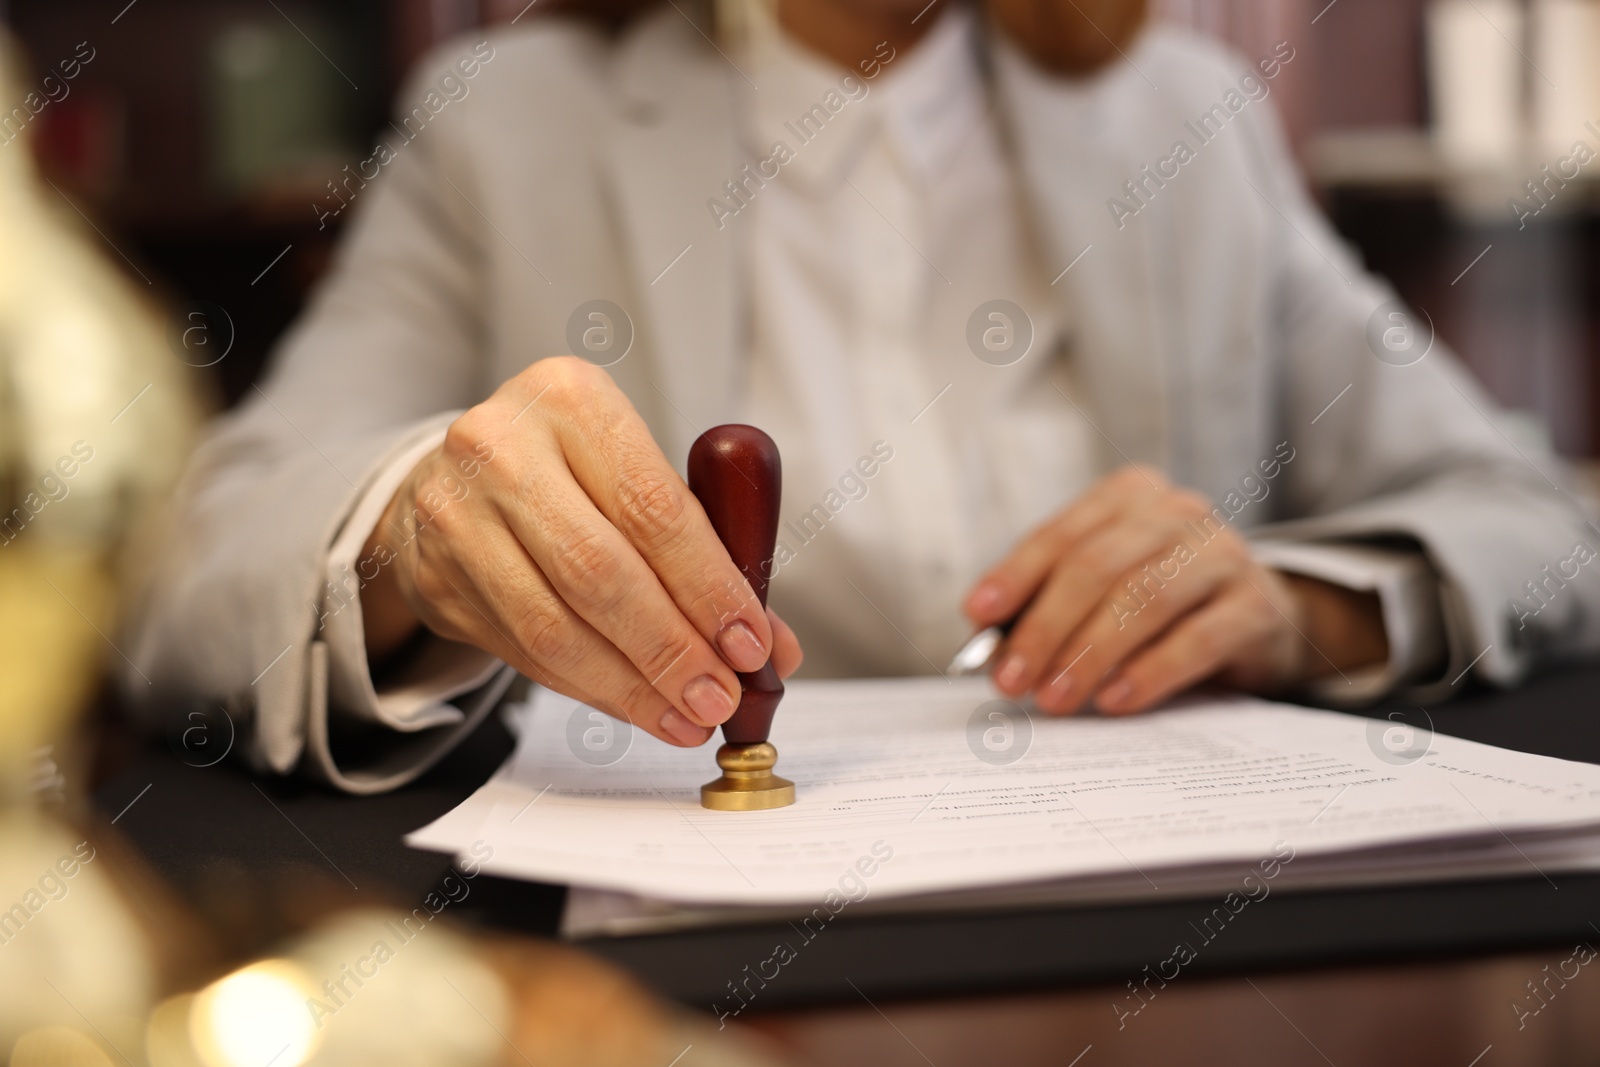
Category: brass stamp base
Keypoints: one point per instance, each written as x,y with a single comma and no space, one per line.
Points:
747,782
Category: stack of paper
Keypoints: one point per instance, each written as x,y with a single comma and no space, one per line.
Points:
927,793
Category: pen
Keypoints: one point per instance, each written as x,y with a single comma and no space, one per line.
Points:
980,648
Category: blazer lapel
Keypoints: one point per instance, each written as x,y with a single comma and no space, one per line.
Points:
672,146
1066,139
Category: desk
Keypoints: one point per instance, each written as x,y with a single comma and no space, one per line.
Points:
1431,948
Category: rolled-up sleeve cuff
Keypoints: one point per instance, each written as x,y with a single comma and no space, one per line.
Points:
414,695
1408,591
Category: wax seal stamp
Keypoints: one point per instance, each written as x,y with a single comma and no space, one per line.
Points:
735,473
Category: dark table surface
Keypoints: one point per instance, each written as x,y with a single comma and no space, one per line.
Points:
205,827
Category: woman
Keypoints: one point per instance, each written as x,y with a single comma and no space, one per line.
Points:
981,271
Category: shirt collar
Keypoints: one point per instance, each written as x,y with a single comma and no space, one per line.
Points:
923,100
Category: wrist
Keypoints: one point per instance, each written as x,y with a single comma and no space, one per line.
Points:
387,619
1343,628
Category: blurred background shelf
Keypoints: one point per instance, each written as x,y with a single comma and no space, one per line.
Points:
1397,158
1410,161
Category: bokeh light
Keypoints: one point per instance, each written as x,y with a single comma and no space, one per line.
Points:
255,1017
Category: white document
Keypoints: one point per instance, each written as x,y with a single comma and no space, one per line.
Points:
922,787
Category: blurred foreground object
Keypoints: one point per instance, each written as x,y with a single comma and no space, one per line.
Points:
96,419
71,945
80,470
354,990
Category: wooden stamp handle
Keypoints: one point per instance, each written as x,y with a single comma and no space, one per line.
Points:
735,473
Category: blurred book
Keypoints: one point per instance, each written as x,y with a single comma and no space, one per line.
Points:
1565,53
81,143
278,107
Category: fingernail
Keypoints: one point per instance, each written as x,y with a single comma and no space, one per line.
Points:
682,730
985,599
1115,694
741,647
710,702
1055,694
1013,669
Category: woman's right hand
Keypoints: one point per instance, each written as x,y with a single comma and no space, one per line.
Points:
549,530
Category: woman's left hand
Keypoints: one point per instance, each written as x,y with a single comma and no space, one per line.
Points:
1137,592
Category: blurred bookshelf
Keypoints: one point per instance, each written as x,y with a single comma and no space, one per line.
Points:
1516,298
204,131
201,134
171,142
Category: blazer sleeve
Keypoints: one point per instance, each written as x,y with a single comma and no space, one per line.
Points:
389,350
1404,446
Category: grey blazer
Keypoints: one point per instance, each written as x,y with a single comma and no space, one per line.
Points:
1219,319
